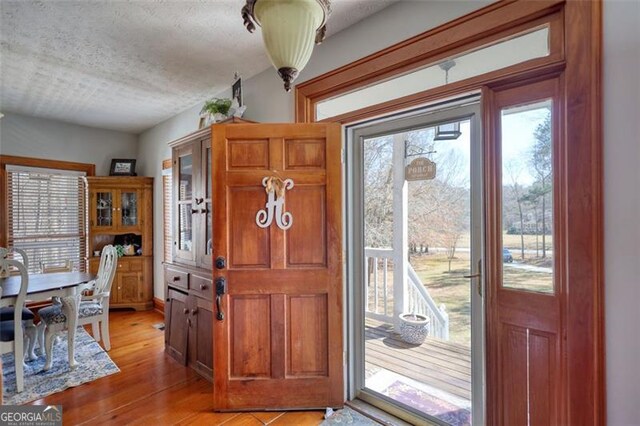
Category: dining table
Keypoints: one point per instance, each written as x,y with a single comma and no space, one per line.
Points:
43,287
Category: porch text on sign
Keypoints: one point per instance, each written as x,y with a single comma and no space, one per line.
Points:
420,169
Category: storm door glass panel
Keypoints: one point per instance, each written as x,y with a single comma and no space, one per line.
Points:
104,209
185,202
527,197
129,208
420,251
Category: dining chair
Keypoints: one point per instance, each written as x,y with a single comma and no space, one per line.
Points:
11,331
94,306
7,312
54,320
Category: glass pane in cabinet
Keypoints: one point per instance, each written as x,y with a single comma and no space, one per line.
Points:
208,174
185,188
209,248
185,228
104,209
527,197
129,208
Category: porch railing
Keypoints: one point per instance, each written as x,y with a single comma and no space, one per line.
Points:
381,293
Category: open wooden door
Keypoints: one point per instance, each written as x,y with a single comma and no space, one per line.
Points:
278,260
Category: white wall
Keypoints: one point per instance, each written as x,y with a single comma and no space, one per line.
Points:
621,64
26,136
268,102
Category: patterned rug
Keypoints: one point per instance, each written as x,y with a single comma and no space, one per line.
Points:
435,402
347,416
93,363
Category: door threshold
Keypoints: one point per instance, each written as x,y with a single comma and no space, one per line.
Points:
375,413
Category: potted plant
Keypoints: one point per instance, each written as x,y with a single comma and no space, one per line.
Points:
217,109
414,328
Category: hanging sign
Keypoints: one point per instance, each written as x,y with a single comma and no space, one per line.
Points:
420,169
275,189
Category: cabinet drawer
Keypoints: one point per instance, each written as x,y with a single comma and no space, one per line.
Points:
176,278
135,265
123,266
202,286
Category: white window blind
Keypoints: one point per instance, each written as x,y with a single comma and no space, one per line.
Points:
166,201
47,216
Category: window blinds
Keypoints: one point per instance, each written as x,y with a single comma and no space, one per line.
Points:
47,216
166,201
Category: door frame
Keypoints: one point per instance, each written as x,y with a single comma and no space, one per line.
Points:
578,37
460,109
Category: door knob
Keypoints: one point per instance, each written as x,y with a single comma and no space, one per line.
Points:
221,263
185,311
221,289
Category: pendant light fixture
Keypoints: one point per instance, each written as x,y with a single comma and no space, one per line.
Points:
289,30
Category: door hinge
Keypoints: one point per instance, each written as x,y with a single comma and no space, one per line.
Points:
342,156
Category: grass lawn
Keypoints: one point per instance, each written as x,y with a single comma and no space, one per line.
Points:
452,289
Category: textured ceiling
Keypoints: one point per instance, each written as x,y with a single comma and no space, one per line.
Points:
130,65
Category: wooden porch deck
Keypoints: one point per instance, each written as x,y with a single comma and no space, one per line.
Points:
436,363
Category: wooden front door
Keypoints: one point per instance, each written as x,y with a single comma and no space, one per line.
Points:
278,344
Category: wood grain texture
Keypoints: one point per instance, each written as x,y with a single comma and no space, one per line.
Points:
151,387
282,336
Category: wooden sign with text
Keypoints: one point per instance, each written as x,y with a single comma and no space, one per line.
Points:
420,169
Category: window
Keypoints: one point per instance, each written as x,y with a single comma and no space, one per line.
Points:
47,216
166,204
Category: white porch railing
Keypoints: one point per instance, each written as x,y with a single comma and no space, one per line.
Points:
381,293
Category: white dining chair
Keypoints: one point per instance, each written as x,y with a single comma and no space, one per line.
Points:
11,331
56,319
94,307
7,312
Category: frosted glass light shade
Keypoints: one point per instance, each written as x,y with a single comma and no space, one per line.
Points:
289,30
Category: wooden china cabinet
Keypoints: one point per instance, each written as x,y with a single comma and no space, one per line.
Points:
121,212
189,292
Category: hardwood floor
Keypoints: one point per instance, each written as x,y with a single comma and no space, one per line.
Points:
152,388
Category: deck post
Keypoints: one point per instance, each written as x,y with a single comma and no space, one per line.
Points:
400,229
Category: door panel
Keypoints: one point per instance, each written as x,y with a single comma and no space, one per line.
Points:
251,335
306,205
280,342
307,338
525,292
177,326
253,247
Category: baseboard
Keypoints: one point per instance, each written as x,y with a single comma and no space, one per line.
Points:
158,305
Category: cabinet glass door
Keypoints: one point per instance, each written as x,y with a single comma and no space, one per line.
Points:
104,209
183,192
129,201
206,208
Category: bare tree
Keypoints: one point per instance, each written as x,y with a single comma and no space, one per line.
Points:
514,169
541,162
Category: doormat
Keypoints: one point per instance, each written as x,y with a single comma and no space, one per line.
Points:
93,363
451,409
347,416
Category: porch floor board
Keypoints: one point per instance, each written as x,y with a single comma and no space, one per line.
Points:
436,363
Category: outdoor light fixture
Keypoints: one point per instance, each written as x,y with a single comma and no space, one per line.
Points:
289,30
449,131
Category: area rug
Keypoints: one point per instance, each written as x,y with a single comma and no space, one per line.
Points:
93,363
435,402
347,416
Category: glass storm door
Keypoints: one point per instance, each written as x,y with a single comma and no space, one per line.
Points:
416,221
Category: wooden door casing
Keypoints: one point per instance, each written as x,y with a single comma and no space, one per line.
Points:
525,349
280,344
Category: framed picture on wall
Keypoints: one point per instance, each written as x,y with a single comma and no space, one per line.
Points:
123,167
236,91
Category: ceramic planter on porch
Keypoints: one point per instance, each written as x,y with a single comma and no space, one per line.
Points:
414,328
